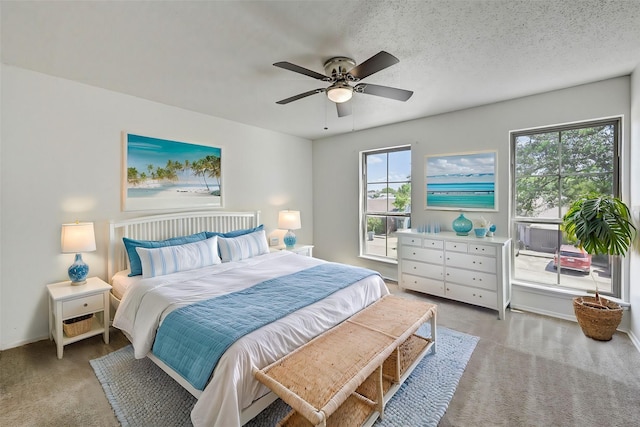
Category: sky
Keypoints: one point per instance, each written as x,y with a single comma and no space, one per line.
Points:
461,164
399,166
143,150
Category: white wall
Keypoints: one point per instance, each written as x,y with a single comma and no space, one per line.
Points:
634,291
61,154
335,160
1,208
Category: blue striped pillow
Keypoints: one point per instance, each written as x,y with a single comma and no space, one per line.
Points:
243,247
172,259
134,260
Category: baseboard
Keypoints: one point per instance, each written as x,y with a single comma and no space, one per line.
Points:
24,342
635,340
548,313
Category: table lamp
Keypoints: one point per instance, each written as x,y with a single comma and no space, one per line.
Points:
289,220
76,238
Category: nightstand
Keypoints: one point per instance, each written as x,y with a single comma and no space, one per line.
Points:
68,302
304,250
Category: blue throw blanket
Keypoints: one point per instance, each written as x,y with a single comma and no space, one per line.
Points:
192,339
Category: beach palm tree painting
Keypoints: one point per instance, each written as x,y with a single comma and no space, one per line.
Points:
461,181
166,174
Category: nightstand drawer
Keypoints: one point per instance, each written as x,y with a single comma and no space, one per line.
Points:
80,306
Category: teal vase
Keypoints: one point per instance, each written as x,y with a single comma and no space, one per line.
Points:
462,226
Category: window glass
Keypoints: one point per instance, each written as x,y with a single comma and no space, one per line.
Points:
551,169
386,204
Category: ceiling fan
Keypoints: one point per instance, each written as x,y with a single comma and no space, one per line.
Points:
340,72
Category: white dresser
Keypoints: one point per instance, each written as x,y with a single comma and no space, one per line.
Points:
463,268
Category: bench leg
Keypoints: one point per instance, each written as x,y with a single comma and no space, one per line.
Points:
380,392
433,332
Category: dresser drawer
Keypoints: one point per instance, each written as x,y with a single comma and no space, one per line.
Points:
472,278
456,247
84,305
422,284
473,262
410,241
434,271
482,250
432,244
475,296
421,254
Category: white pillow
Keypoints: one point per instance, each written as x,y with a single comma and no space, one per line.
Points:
243,247
171,259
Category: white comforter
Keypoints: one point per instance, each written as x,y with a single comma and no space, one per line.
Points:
233,386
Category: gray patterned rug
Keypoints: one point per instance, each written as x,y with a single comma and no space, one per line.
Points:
142,395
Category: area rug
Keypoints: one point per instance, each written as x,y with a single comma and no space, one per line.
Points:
142,395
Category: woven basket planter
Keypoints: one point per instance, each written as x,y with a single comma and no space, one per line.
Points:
597,323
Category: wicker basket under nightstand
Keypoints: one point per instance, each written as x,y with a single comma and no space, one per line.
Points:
78,325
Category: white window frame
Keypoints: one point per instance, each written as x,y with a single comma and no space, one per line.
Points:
363,213
616,276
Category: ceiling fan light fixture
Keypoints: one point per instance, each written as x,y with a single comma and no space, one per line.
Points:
339,92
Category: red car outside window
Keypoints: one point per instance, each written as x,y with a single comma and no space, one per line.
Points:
573,258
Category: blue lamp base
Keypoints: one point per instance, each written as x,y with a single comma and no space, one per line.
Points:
78,271
290,239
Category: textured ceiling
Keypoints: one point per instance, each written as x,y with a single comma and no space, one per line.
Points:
216,57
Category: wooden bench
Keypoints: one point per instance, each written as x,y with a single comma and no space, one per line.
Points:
345,376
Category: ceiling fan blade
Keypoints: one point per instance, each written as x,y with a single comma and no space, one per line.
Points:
377,62
344,108
298,69
299,96
384,91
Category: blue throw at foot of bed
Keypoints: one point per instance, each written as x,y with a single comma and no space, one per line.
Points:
192,339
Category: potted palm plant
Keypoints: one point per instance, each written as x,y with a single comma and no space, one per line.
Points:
602,226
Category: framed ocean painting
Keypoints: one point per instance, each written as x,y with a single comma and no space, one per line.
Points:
464,181
167,174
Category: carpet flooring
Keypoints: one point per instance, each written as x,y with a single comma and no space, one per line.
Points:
526,370
141,394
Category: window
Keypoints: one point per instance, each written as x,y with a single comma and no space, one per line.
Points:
386,200
552,167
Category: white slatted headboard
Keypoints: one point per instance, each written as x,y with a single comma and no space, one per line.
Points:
160,227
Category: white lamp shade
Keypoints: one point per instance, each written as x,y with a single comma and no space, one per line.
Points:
289,220
78,237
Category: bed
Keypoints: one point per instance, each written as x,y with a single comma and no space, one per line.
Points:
146,306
